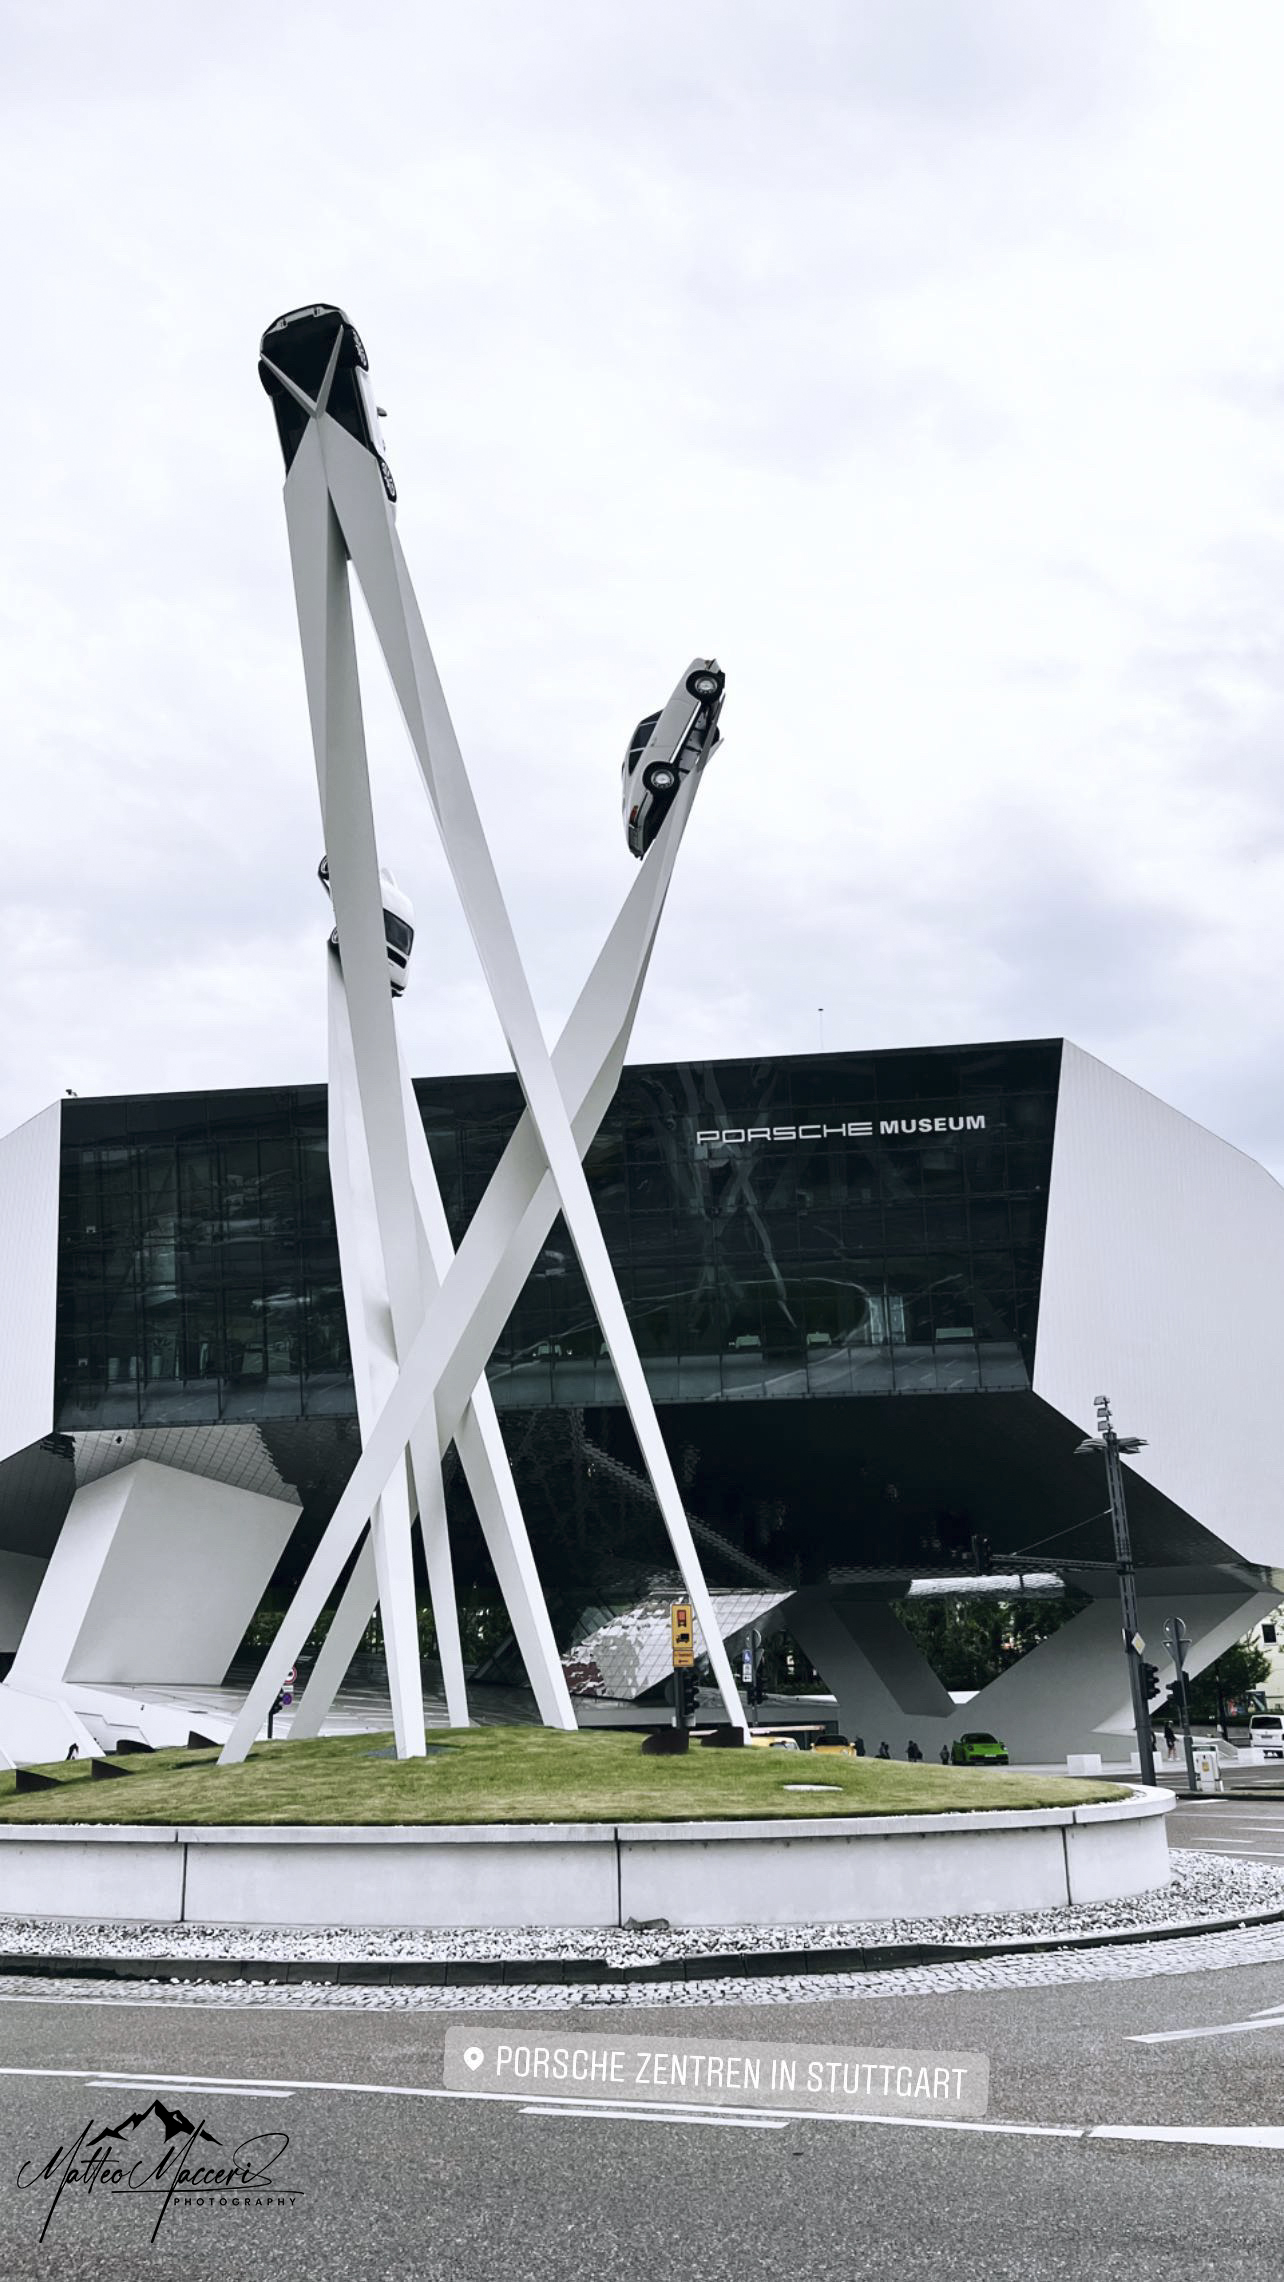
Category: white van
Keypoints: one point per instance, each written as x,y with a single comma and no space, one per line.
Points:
1266,1734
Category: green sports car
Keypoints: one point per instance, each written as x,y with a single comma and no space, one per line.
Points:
978,1751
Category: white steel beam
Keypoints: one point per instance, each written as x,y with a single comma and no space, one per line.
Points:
324,608
509,1226
370,533
334,481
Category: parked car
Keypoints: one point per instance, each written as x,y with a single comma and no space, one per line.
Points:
1266,1734
666,746
298,348
978,1750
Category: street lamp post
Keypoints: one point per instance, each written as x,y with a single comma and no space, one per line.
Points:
1110,1444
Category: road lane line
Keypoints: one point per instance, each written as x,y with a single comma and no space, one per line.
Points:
165,2083
1191,2135
1242,1846
581,2112
1263,2136
290,2084
1223,2028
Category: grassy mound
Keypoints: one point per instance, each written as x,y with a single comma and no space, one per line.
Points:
519,1774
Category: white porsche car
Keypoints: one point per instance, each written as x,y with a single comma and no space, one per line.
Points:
398,924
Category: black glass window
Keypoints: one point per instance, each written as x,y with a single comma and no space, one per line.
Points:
815,1226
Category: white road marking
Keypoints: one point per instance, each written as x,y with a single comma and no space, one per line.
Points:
1192,2135
184,2084
1243,1846
1271,2016
194,2084
579,2110
1266,2136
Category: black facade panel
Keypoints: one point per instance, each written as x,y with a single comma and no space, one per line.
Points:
784,1229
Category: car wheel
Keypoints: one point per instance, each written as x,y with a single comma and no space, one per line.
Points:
660,777
704,685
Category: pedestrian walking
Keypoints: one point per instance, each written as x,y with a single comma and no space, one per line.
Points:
884,1751
912,1752
1170,1741
944,1755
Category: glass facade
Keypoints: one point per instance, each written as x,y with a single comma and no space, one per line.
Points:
800,1227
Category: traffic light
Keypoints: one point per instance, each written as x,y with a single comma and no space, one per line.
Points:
1150,1687
688,1692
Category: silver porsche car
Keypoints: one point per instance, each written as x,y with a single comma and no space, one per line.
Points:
666,746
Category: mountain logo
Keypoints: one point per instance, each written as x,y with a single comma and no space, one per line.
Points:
172,2121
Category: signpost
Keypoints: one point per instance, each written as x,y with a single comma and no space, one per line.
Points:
682,1632
1109,1444
284,1699
1176,1635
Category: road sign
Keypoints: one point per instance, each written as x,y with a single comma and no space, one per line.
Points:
1208,1770
1136,1644
682,1626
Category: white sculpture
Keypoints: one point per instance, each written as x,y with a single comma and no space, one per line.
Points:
424,1321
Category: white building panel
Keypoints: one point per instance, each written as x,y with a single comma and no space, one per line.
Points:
155,1576
28,1278
1163,1288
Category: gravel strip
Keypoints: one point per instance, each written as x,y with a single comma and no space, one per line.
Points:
1203,1887
1201,1953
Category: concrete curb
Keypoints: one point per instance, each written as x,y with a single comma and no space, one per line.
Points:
801,1870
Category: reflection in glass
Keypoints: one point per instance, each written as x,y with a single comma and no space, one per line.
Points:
842,1251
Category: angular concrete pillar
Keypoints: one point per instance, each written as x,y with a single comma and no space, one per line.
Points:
1071,1692
1068,1694
886,1689
155,1576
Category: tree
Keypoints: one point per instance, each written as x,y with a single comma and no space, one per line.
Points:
968,1640
1236,1673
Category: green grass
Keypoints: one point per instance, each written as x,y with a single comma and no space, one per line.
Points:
520,1774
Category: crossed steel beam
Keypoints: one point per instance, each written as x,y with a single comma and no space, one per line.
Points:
433,1319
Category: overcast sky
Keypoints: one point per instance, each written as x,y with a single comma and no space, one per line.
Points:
924,359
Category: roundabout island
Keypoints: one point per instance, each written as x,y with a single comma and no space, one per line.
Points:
527,1827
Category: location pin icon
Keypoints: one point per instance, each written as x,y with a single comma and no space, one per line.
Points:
474,2056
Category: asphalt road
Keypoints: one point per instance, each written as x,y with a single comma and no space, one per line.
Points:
1251,1829
393,2186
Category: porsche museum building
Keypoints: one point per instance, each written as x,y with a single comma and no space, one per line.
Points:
875,1296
